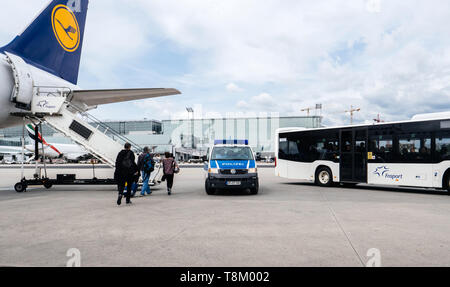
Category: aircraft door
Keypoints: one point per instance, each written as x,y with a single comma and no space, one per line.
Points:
22,93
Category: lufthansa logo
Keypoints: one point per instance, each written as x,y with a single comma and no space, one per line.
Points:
65,27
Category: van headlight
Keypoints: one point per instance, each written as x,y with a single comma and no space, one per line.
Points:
252,170
213,171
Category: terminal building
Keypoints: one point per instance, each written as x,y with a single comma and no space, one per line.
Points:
189,138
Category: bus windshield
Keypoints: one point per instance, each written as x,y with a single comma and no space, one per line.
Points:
232,153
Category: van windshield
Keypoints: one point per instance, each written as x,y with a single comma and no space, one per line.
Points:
232,153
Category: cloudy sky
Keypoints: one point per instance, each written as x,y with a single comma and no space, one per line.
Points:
247,57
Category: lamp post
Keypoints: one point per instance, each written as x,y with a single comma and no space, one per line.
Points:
191,112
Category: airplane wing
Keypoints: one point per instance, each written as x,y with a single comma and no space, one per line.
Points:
101,97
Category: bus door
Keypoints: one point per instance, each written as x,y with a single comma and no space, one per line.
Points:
353,159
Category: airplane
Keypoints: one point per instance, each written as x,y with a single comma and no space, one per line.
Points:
47,54
71,152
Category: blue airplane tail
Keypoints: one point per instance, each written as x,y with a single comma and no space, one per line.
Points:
54,40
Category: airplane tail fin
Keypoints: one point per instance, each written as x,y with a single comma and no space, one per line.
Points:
32,134
54,40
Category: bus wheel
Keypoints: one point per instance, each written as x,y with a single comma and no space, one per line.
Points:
447,182
324,177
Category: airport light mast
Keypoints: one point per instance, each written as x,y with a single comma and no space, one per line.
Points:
191,112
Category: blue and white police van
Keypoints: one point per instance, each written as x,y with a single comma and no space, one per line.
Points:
231,165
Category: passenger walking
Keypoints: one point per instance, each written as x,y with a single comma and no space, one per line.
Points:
126,171
170,168
146,165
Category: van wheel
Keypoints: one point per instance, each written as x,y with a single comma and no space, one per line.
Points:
254,191
324,177
208,189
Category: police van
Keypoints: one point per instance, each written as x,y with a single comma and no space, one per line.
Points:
231,165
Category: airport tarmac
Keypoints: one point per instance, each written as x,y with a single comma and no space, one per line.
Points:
287,224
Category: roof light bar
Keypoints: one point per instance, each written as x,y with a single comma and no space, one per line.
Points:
231,142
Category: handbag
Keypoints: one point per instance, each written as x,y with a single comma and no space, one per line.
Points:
176,168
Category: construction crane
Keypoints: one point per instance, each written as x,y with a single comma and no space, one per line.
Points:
318,107
378,119
352,112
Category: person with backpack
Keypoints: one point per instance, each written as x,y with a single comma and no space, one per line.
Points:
170,168
146,165
125,173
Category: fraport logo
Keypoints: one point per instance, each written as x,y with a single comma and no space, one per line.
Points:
45,104
383,171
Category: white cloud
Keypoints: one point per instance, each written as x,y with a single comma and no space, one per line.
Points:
309,49
373,6
242,105
263,99
390,57
233,88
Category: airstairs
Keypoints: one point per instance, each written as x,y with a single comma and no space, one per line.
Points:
52,106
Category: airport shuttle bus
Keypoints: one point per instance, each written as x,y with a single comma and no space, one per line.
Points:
413,153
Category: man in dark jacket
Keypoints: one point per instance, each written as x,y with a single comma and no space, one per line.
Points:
126,171
146,165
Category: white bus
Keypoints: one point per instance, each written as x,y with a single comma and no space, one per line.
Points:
413,153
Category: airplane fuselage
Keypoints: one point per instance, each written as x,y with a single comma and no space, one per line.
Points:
69,151
40,78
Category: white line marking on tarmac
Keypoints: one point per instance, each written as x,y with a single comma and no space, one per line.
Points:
327,203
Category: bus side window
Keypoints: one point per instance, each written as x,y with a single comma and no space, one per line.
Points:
382,148
442,147
294,150
414,149
283,149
